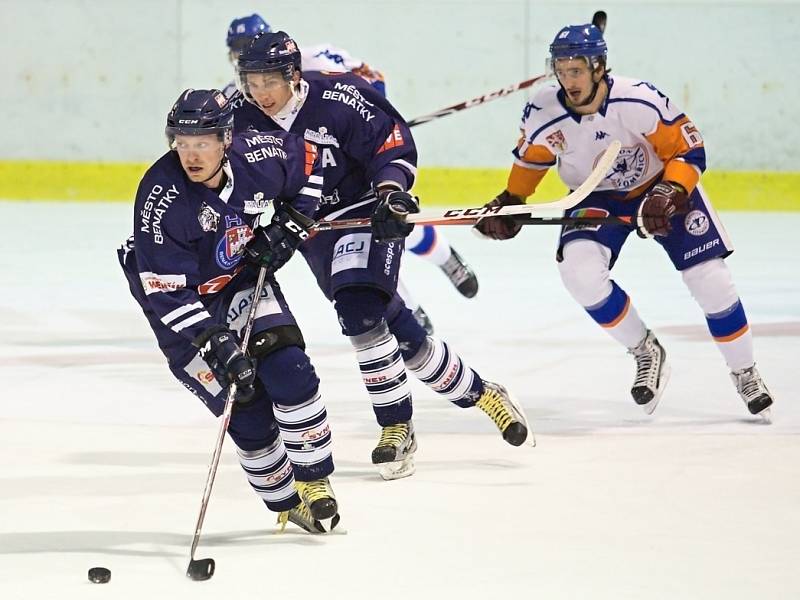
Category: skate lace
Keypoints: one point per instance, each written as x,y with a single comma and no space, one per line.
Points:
492,403
311,491
394,435
456,270
750,384
646,371
300,515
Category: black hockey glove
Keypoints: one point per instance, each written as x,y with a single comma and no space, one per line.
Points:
664,200
389,217
273,245
500,228
219,347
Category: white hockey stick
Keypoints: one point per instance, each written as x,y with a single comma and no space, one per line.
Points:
470,216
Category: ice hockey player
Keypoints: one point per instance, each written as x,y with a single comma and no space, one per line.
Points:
655,180
424,241
199,210
369,161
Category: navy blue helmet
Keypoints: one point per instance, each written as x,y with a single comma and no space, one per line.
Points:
241,31
200,112
274,51
574,41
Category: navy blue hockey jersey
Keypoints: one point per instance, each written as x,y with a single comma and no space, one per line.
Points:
362,139
188,239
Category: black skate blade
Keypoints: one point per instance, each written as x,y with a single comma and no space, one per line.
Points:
200,570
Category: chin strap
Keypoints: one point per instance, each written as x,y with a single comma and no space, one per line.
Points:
217,170
591,97
295,103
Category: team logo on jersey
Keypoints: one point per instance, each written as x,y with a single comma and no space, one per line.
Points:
208,217
230,247
629,168
696,222
258,204
557,141
321,137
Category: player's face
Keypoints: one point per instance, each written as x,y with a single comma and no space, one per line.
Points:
200,155
270,90
575,76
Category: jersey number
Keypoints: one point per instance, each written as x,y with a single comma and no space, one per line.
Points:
691,135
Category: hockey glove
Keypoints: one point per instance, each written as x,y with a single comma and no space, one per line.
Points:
500,228
389,217
273,245
664,200
220,349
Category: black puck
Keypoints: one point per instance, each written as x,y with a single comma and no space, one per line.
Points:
99,575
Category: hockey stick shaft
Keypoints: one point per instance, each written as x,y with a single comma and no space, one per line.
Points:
470,216
599,19
226,414
510,89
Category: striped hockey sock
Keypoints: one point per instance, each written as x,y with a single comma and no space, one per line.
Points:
307,437
270,473
384,374
445,373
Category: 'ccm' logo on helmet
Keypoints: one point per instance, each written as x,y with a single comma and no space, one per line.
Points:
189,121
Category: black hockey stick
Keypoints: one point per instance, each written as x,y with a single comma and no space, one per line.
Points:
203,568
598,20
588,221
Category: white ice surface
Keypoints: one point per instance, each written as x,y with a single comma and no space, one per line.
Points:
103,456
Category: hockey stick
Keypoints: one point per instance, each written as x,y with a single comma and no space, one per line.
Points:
598,20
574,221
470,216
514,87
203,568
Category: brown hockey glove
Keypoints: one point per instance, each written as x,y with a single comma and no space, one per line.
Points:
664,200
500,228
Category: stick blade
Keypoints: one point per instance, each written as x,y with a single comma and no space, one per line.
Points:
599,20
200,570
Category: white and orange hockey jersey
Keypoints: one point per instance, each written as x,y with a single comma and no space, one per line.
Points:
325,57
658,140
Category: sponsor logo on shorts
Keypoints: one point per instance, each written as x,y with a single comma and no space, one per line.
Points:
582,213
351,252
697,222
700,249
387,265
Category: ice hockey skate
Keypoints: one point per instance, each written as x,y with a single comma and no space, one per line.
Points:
301,516
394,454
460,274
318,496
652,372
506,413
753,392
